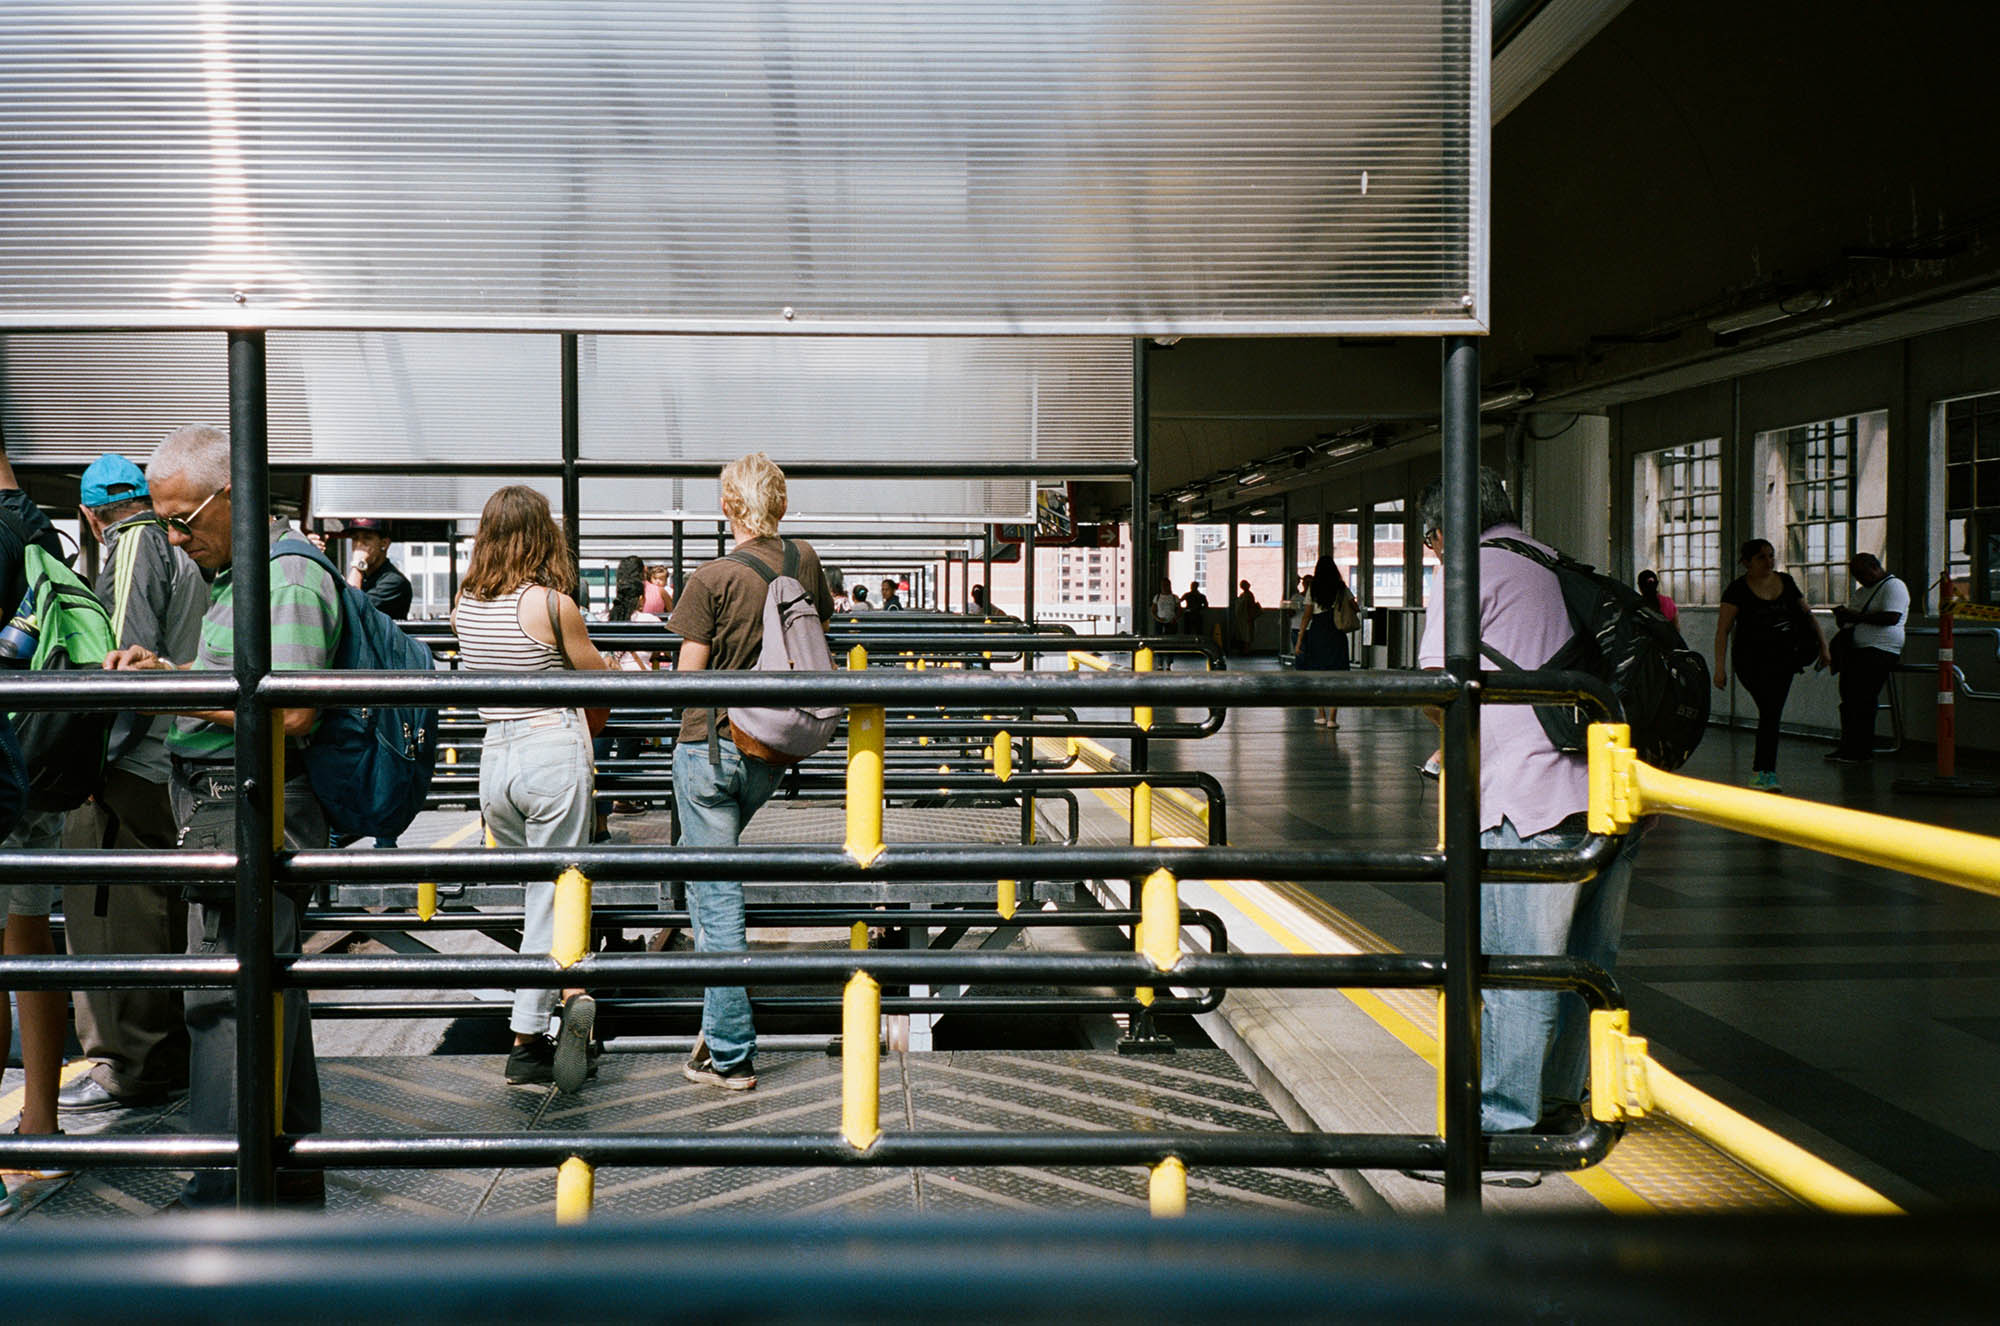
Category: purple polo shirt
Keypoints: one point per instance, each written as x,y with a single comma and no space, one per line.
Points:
1522,776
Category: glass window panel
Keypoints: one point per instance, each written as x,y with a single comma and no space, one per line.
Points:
1958,488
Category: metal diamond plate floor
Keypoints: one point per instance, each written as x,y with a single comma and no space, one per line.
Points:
1074,1090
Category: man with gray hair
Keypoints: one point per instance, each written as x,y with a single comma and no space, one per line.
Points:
189,475
1534,1044
137,1039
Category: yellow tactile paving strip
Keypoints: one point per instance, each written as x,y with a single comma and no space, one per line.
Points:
1658,1165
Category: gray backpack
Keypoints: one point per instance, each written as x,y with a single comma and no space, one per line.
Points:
794,641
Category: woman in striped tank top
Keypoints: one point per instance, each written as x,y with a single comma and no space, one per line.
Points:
534,768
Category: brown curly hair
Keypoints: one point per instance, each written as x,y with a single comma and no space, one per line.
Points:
518,544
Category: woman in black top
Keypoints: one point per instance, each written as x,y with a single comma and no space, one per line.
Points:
1322,645
1776,636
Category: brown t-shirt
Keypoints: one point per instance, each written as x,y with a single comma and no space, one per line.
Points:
723,608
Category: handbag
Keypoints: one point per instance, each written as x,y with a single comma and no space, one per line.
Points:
1346,612
594,719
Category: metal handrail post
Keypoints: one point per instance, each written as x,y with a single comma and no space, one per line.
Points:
258,792
572,479
1461,774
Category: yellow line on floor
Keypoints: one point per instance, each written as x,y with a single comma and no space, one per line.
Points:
458,835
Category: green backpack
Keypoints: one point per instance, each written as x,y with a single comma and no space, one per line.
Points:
64,750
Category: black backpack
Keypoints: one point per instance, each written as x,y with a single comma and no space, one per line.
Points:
1619,638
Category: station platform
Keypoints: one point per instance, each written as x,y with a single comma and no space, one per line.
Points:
1843,1007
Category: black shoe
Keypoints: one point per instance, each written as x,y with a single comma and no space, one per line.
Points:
1841,757
532,1063
1492,1178
571,1065
87,1095
701,1068
1561,1121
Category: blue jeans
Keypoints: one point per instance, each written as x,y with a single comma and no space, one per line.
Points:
715,802
1536,1044
534,790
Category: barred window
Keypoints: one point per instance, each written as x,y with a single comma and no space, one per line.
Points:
1825,498
1677,519
1972,495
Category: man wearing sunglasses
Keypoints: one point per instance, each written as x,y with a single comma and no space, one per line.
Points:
189,476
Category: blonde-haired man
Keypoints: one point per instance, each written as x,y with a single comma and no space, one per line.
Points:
717,786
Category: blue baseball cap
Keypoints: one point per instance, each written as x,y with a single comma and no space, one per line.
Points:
112,478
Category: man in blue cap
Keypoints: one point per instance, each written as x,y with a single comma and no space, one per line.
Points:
155,595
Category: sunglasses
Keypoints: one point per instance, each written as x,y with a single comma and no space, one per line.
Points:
184,525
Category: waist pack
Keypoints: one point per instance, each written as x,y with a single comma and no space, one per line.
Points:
1618,638
62,751
370,767
794,641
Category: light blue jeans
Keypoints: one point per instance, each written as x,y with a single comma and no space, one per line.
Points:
534,790
1535,1045
715,802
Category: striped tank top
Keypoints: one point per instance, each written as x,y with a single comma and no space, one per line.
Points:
490,639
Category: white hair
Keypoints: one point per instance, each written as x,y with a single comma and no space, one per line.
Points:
196,451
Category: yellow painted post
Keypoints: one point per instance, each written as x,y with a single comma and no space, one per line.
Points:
866,725
427,900
1003,756
1142,715
857,936
1005,901
1168,1188
278,781
1158,934
278,1061
576,1191
861,1061
572,934
1142,815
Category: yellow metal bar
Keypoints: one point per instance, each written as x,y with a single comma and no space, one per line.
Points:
1003,756
1142,815
278,782
576,1191
572,934
857,936
861,1061
1167,1188
1142,714
1626,1082
1632,788
866,725
278,1060
1005,902
1083,658
1158,934
427,900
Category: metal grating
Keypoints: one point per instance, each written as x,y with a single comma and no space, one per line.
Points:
1110,167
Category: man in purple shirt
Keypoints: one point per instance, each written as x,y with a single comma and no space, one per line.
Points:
1535,1045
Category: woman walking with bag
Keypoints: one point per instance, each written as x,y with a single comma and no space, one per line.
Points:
1776,637
1331,613
515,613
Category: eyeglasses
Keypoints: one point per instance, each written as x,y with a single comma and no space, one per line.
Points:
184,525
1433,538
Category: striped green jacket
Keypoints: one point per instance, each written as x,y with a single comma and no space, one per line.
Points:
305,629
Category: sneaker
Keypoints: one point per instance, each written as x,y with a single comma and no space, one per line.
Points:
571,1065
701,1068
21,1174
628,808
532,1063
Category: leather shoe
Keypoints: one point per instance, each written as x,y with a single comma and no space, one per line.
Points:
87,1095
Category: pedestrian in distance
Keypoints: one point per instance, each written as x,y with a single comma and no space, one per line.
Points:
1775,638
1322,644
1865,651
370,570
1649,591
515,613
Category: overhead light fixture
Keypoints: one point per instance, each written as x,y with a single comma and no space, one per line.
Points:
1518,396
1185,498
1198,514
1259,511
1792,306
1252,478
1351,447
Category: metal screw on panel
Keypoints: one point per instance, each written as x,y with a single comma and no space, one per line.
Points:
1465,301
239,296
786,313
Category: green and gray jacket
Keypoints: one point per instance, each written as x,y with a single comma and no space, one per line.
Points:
156,596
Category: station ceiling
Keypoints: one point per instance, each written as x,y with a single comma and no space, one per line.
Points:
1690,163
